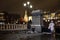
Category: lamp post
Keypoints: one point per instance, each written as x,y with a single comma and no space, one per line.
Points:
27,6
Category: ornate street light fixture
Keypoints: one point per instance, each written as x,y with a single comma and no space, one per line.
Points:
27,5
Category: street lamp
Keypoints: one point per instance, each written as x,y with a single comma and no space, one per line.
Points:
28,2
24,4
27,5
30,6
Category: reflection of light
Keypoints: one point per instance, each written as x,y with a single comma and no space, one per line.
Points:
30,17
25,17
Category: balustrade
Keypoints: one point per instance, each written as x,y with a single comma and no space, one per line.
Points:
13,27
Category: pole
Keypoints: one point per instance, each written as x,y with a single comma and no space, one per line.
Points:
26,16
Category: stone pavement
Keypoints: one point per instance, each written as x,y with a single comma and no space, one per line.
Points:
27,36
20,36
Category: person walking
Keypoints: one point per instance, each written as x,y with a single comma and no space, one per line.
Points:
52,29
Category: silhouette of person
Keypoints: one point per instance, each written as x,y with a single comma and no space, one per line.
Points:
51,26
29,24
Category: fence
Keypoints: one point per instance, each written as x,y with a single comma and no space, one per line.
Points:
13,27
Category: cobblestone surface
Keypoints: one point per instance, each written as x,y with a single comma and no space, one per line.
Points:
19,36
23,36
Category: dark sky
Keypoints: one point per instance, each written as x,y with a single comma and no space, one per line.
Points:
16,6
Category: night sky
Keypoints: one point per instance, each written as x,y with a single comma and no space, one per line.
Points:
16,6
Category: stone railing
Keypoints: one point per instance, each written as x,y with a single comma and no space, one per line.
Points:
13,27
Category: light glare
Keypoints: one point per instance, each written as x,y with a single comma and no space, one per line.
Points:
24,4
30,6
28,3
